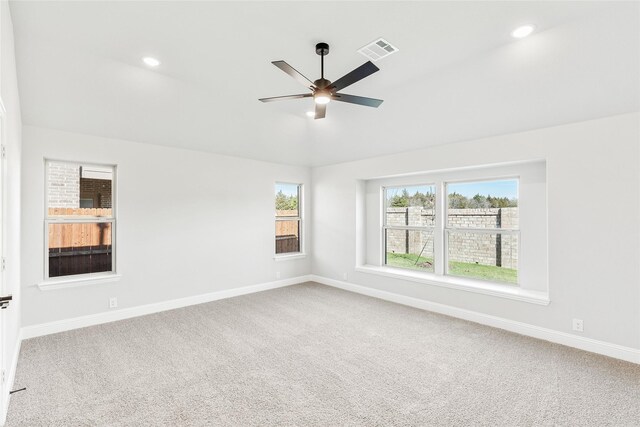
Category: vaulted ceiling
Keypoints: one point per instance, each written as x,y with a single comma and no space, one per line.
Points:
459,74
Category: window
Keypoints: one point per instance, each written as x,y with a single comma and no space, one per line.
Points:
479,229
478,239
288,218
482,232
409,223
79,219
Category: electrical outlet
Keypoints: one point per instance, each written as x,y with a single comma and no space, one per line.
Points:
578,325
277,274
345,276
113,302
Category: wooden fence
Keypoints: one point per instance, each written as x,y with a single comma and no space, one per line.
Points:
287,244
67,262
287,227
79,247
79,234
287,232
81,212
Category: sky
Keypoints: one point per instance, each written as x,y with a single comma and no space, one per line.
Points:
287,189
424,189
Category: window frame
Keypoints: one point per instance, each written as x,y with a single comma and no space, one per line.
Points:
441,229
299,218
59,219
386,227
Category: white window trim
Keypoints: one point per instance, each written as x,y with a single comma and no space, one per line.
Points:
300,218
79,280
289,256
61,282
459,283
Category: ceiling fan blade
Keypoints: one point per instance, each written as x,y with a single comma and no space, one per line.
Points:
358,74
360,100
294,73
321,110
282,98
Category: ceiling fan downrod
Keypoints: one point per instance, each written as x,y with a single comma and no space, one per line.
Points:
322,49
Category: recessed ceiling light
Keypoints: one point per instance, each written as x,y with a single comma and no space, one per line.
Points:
523,31
311,113
151,62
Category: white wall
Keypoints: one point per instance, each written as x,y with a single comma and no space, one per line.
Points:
593,201
188,223
12,128
171,202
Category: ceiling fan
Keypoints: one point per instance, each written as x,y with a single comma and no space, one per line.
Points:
323,90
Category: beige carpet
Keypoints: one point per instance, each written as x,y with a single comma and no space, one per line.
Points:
311,355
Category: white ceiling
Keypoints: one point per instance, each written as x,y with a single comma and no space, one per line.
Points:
459,75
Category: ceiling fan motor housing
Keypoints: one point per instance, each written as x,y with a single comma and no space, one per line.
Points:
322,49
322,83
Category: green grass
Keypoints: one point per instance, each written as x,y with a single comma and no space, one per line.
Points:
409,261
464,269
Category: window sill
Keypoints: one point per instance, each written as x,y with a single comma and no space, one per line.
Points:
469,285
69,282
287,257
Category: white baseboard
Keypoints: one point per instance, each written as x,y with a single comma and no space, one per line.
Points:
127,313
601,347
8,386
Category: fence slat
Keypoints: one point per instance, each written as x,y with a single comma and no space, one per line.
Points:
76,235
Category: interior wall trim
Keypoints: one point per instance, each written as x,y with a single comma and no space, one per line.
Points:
583,343
141,310
628,354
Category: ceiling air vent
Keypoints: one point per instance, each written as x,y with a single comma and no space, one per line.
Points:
378,49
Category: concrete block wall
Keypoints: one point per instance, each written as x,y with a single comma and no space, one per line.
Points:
413,241
480,248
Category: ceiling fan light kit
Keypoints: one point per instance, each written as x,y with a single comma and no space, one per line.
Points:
322,90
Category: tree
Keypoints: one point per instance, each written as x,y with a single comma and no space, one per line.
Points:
418,199
458,201
502,202
400,201
479,202
423,200
286,203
